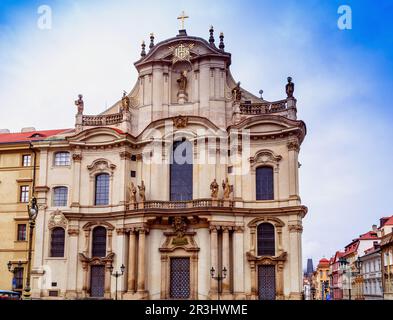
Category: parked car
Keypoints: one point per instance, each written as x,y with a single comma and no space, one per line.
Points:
9,295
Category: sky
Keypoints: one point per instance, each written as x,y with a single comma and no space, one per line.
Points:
343,83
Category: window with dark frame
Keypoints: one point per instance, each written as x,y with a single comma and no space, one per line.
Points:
181,171
60,195
133,174
18,276
133,157
21,232
57,242
102,189
266,240
264,183
62,159
26,160
24,194
99,242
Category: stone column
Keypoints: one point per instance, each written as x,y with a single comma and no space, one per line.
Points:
213,258
280,281
293,149
85,268
238,261
87,241
125,157
72,262
75,201
225,260
141,261
295,264
131,261
121,258
107,283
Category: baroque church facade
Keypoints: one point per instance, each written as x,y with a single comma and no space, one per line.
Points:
186,178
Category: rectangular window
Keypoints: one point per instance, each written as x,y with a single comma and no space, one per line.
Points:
133,157
21,232
26,160
62,159
133,174
60,195
24,194
230,169
18,278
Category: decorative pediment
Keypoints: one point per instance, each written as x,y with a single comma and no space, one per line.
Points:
275,221
88,226
97,136
96,260
265,157
100,166
57,219
179,237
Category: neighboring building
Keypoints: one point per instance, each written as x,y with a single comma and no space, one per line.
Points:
371,275
336,288
16,183
387,256
322,280
238,209
352,283
307,280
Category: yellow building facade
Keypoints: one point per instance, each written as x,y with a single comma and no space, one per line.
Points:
16,183
322,279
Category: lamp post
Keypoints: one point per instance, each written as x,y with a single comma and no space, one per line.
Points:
219,278
13,271
343,264
359,282
116,275
32,210
313,290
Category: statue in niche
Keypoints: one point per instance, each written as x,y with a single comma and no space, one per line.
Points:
80,104
236,92
214,189
132,192
182,81
227,188
142,190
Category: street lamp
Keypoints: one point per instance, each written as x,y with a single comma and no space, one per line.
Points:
219,279
32,210
343,264
13,270
116,275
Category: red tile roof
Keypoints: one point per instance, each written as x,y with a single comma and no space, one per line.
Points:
371,235
28,136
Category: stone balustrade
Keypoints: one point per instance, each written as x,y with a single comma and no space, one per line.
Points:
262,108
197,203
102,120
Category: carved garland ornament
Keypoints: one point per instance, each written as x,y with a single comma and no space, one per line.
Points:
101,165
264,157
180,122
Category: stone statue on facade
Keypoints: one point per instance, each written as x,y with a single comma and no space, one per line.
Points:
236,92
290,88
132,192
180,226
80,104
214,189
182,81
125,102
142,191
227,188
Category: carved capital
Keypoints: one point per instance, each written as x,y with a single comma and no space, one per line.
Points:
124,155
293,146
238,229
73,231
121,231
77,157
295,228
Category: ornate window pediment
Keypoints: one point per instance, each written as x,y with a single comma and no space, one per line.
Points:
57,219
264,157
101,166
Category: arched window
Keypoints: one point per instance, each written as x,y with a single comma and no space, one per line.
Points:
264,183
57,242
266,241
60,195
181,171
102,189
62,158
99,242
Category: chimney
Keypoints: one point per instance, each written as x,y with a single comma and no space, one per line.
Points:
382,221
28,129
374,227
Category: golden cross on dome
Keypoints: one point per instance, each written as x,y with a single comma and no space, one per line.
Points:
182,17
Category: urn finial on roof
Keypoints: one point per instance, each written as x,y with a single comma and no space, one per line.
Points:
211,39
151,40
143,52
222,45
